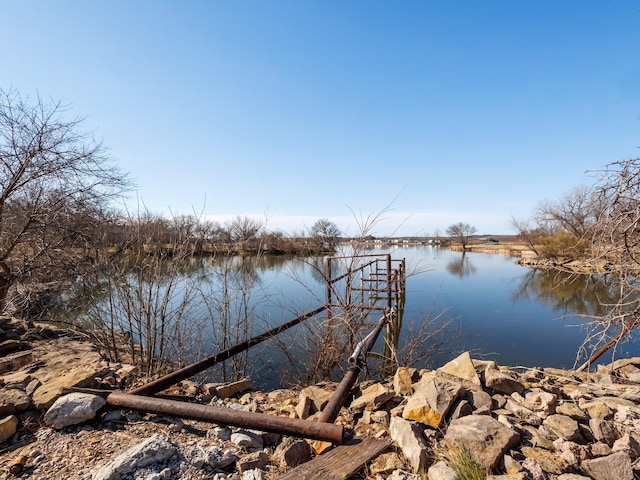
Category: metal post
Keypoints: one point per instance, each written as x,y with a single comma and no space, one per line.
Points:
389,281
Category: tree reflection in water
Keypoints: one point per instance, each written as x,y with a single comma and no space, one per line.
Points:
568,293
461,266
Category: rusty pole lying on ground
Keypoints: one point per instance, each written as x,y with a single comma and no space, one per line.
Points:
357,361
328,432
165,382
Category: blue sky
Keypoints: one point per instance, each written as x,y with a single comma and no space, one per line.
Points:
443,111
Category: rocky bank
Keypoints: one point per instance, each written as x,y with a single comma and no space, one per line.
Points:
519,423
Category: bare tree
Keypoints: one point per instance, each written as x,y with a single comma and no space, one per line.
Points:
527,233
574,213
51,175
141,303
462,232
326,231
244,228
615,242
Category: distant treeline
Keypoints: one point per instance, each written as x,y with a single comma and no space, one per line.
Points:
154,234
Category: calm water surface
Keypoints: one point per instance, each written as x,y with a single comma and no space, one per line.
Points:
497,309
512,314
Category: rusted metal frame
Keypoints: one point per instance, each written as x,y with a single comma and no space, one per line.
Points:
363,307
349,289
327,276
331,410
356,289
370,300
346,275
373,255
328,432
351,271
165,382
389,281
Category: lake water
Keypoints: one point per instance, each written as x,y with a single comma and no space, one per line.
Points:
482,303
494,308
512,314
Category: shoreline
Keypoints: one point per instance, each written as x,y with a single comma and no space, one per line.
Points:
556,421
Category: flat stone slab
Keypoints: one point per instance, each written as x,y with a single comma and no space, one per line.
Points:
484,436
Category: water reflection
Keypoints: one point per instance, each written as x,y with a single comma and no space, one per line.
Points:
491,306
568,293
461,266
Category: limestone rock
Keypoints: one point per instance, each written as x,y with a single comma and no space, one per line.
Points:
571,452
386,463
72,409
411,440
604,430
221,433
540,401
462,367
532,437
303,407
317,398
616,465
533,469
500,382
403,381
229,389
627,420
255,474
561,426
461,408
573,411
243,438
15,361
441,471
213,457
13,400
481,401
371,398
32,386
498,401
402,475
511,465
51,389
293,452
487,438
629,444
509,476
153,450
268,438
550,462
600,449
596,409
8,427
522,412
431,401
252,461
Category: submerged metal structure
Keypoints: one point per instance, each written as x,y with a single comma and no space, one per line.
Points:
356,286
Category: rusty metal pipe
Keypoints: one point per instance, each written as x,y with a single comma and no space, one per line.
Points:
165,382
267,423
331,410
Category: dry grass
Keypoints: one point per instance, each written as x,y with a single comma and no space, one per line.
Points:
464,463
